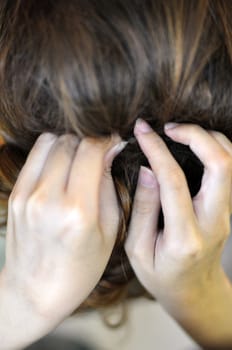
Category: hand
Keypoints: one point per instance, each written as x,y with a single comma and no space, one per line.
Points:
62,222
186,256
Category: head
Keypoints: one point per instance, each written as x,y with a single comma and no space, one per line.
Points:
91,68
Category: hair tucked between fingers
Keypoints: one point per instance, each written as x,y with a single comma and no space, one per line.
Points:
92,68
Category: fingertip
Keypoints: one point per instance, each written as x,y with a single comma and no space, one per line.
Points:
114,151
142,127
47,137
170,127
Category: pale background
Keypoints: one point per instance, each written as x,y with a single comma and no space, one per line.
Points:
149,327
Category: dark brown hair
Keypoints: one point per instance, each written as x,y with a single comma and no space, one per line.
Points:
92,67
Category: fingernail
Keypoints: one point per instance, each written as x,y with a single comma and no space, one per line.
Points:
118,148
169,126
114,151
147,178
142,127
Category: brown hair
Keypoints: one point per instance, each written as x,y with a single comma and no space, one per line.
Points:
92,68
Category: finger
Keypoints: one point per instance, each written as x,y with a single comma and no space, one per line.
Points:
55,173
142,232
175,198
226,143
33,166
86,172
213,200
108,204
222,139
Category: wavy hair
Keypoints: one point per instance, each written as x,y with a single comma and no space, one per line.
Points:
91,68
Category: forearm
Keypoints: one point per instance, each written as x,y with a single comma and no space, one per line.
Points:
20,326
206,316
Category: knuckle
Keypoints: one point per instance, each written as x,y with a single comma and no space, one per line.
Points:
190,252
226,162
15,201
36,205
68,139
134,252
89,142
216,134
193,251
223,164
219,136
141,206
86,146
75,215
187,251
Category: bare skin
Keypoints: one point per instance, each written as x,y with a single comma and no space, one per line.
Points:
58,210
182,266
62,225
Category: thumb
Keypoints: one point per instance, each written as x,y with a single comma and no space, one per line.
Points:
142,233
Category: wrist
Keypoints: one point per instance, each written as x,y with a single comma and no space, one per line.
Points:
190,290
205,311
19,318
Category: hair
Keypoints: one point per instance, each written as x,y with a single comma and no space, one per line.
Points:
91,68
